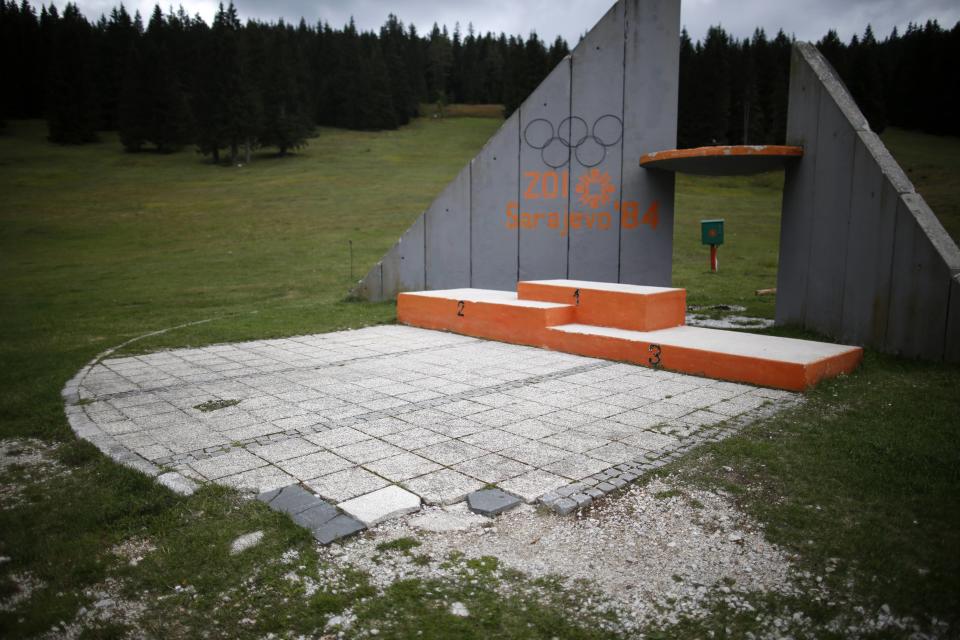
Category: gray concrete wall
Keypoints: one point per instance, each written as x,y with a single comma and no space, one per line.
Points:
515,212
862,257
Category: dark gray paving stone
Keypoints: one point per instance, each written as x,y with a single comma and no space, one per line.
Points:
339,527
292,499
563,506
316,516
490,502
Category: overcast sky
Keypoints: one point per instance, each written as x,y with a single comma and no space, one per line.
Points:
806,19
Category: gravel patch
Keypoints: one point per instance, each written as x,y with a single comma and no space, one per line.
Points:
653,552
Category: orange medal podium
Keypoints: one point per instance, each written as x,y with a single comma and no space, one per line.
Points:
630,323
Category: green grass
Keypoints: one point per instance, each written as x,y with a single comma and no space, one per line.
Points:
867,472
98,247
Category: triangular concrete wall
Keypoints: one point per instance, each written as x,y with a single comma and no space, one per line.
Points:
558,191
862,256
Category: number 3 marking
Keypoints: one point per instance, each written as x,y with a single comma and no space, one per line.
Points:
654,358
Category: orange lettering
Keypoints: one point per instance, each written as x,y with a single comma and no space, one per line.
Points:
550,191
629,211
511,220
534,176
652,215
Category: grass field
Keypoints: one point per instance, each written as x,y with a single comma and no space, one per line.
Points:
98,247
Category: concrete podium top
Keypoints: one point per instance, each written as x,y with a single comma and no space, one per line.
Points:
722,161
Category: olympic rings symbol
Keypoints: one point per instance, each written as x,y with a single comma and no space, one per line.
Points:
589,144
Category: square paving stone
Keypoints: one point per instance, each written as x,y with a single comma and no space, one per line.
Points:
532,484
346,484
314,465
339,437
494,440
451,452
536,454
415,438
382,427
402,466
532,428
290,499
339,527
614,453
666,409
317,515
228,464
490,502
382,504
652,441
458,427
640,418
608,429
285,449
367,451
575,441
492,468
443,487
577,467
258,480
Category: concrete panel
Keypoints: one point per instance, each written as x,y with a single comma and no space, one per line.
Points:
829,220
595,134
920,289
544,178
951,352
405,272
447,230
803,116
869,254
371,287
390,272
493,238
651,82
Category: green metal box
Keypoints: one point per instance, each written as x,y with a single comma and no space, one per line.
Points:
711,231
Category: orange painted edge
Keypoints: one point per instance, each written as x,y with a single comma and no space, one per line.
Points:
709,364
490,320
723,152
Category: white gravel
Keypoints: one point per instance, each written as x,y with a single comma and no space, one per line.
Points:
653,552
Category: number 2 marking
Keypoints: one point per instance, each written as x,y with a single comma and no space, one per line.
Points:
654,359
460,308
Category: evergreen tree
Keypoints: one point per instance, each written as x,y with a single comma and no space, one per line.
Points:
286,124
72,102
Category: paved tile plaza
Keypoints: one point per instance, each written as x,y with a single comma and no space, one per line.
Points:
442,415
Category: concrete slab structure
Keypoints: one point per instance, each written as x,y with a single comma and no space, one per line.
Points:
556,192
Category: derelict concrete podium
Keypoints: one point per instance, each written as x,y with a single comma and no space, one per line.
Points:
559,193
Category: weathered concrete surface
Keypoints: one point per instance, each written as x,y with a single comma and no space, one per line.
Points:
862,257
350,413
557,192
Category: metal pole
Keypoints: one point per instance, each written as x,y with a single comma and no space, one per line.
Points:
714,265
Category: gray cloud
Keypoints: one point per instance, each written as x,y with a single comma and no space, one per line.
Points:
808,20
